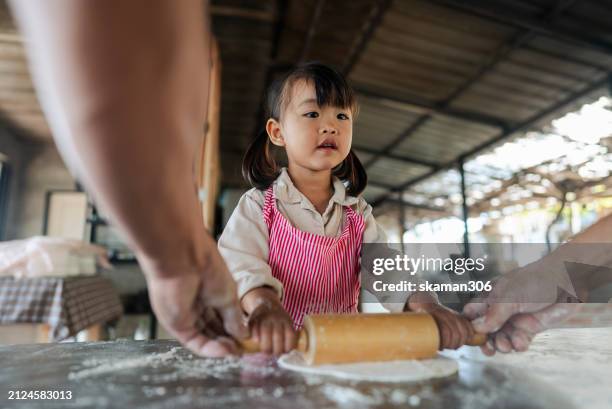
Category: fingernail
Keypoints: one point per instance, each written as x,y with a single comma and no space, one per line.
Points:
520,342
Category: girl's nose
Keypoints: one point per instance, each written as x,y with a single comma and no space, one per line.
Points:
329,129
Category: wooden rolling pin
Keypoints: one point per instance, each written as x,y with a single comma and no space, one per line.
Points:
336,338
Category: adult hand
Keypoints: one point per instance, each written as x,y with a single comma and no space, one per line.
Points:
522,304
520,323
199,307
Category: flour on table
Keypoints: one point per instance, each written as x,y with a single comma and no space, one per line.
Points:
182,365
347,396
391,371
100,367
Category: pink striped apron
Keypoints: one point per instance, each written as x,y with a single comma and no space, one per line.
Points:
319,274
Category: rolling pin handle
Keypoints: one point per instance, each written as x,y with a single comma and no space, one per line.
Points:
249,346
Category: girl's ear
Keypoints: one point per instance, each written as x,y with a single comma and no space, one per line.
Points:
274,132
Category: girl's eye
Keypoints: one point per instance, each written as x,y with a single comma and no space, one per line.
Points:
312,115
343,116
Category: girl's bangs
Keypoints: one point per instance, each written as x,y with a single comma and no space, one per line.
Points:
333,91
330,87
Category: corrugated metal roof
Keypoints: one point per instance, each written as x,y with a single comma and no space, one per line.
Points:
394,172
377,125
372,192
443,139
436,79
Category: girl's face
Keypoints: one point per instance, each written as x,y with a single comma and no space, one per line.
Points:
315,138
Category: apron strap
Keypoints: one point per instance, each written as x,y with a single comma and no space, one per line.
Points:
268,209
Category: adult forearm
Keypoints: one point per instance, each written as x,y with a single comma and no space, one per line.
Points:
124,87
591,249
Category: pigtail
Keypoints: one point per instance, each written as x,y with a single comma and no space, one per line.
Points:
352,171
258,166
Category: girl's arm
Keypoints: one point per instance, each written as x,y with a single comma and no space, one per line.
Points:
455,329
245,246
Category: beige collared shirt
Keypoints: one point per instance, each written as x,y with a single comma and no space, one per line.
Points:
244,241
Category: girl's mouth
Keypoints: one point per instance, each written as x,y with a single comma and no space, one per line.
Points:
328,144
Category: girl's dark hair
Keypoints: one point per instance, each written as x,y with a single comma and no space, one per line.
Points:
260,167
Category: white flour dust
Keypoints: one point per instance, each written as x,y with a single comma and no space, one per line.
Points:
181,366
399,397
99,366
347,396
354,397
585,353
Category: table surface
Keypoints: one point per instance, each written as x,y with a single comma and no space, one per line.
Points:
567,368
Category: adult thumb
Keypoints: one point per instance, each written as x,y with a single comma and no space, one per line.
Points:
224,299
495,317
475,309
233,321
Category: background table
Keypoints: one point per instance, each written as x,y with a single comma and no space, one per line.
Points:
66,304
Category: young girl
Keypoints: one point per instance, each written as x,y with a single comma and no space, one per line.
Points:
293,243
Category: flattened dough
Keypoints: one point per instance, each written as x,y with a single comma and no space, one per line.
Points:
391,371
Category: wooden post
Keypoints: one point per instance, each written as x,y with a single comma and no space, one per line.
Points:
208,163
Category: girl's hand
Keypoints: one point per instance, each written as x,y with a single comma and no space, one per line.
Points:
272,327
269,323
455,330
